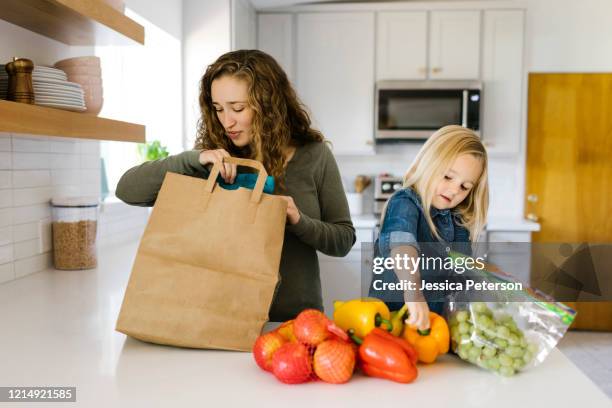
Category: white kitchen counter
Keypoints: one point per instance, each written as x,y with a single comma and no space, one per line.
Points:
58,329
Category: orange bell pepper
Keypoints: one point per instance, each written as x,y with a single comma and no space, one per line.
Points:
432,342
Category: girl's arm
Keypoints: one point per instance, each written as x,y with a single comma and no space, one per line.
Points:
398,237
334,233
140,184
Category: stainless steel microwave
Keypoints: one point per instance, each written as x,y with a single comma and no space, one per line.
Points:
413,110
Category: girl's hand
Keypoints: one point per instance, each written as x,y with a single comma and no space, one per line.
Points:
228,171
418,315
293,214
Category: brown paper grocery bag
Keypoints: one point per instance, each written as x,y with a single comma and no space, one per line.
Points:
207,265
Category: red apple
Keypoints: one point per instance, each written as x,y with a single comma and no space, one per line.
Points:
291,363
334,361
310,327
264,348
286,330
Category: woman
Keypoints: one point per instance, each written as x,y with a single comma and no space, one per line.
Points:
250,110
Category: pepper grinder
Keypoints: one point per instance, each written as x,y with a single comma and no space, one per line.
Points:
20,87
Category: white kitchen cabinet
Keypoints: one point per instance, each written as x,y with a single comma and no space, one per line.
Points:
275,37
502,78
335,76
345,278
454,44
401,45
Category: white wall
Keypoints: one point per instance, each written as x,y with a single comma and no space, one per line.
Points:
206,35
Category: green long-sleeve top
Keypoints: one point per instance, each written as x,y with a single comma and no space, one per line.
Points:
313,180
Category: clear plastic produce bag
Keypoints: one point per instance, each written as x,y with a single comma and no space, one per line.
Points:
506,336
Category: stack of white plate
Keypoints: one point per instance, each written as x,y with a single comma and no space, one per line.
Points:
51,89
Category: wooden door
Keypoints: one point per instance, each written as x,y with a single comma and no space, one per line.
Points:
569,168
455,45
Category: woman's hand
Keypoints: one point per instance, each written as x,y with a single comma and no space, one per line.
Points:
293,214
228,171
418,315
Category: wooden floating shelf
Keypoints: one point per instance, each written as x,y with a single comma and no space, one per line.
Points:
31,119
73,22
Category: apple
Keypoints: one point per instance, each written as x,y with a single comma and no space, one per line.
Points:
264,348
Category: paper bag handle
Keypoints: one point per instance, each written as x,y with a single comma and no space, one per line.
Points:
261,177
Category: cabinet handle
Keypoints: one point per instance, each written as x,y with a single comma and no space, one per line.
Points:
532,217
370,142
532,198
436,70
422,70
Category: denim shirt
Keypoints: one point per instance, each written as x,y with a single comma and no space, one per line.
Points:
405,224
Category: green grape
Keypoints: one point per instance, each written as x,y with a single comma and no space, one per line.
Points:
480,307
527,357
513,340
484,321
505,360
474,353
463,353
452,321
532,348
489,351
511,325
518,363
493,363
514,351
465,339
523,341
503,331
454,332
482,363
506,371
462,316
501,343
464,327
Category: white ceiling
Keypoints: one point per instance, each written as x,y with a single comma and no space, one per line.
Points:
261,4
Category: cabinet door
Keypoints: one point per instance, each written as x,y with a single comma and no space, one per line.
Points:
275,37
455,45
401,45
335,76
503,80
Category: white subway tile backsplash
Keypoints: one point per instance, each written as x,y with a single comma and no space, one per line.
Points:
6,235
90,161
7,272
31,265
6,198
31,213
6,179
6,217
26,249
28,144
24,232
6,254
64,161
5,142
31,161
71,190
70,147
6,162
90,147
64,177
46,235
29,196
90,176
31,178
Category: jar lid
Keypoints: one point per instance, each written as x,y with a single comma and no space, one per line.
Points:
68,201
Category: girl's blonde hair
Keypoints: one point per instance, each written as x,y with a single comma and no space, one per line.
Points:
435,159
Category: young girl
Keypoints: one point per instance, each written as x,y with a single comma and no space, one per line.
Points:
448,178
250,110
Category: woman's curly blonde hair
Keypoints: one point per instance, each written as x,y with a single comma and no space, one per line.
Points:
280,120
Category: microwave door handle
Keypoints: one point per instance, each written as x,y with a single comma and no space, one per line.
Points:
464,108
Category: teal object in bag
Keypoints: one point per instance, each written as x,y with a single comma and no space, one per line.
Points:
247,180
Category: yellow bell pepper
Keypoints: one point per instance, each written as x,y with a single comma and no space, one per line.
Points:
361,315
397,320
432,342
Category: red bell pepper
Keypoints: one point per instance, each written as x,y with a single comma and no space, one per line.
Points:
385,356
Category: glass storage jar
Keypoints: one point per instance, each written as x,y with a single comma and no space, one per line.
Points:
75,226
